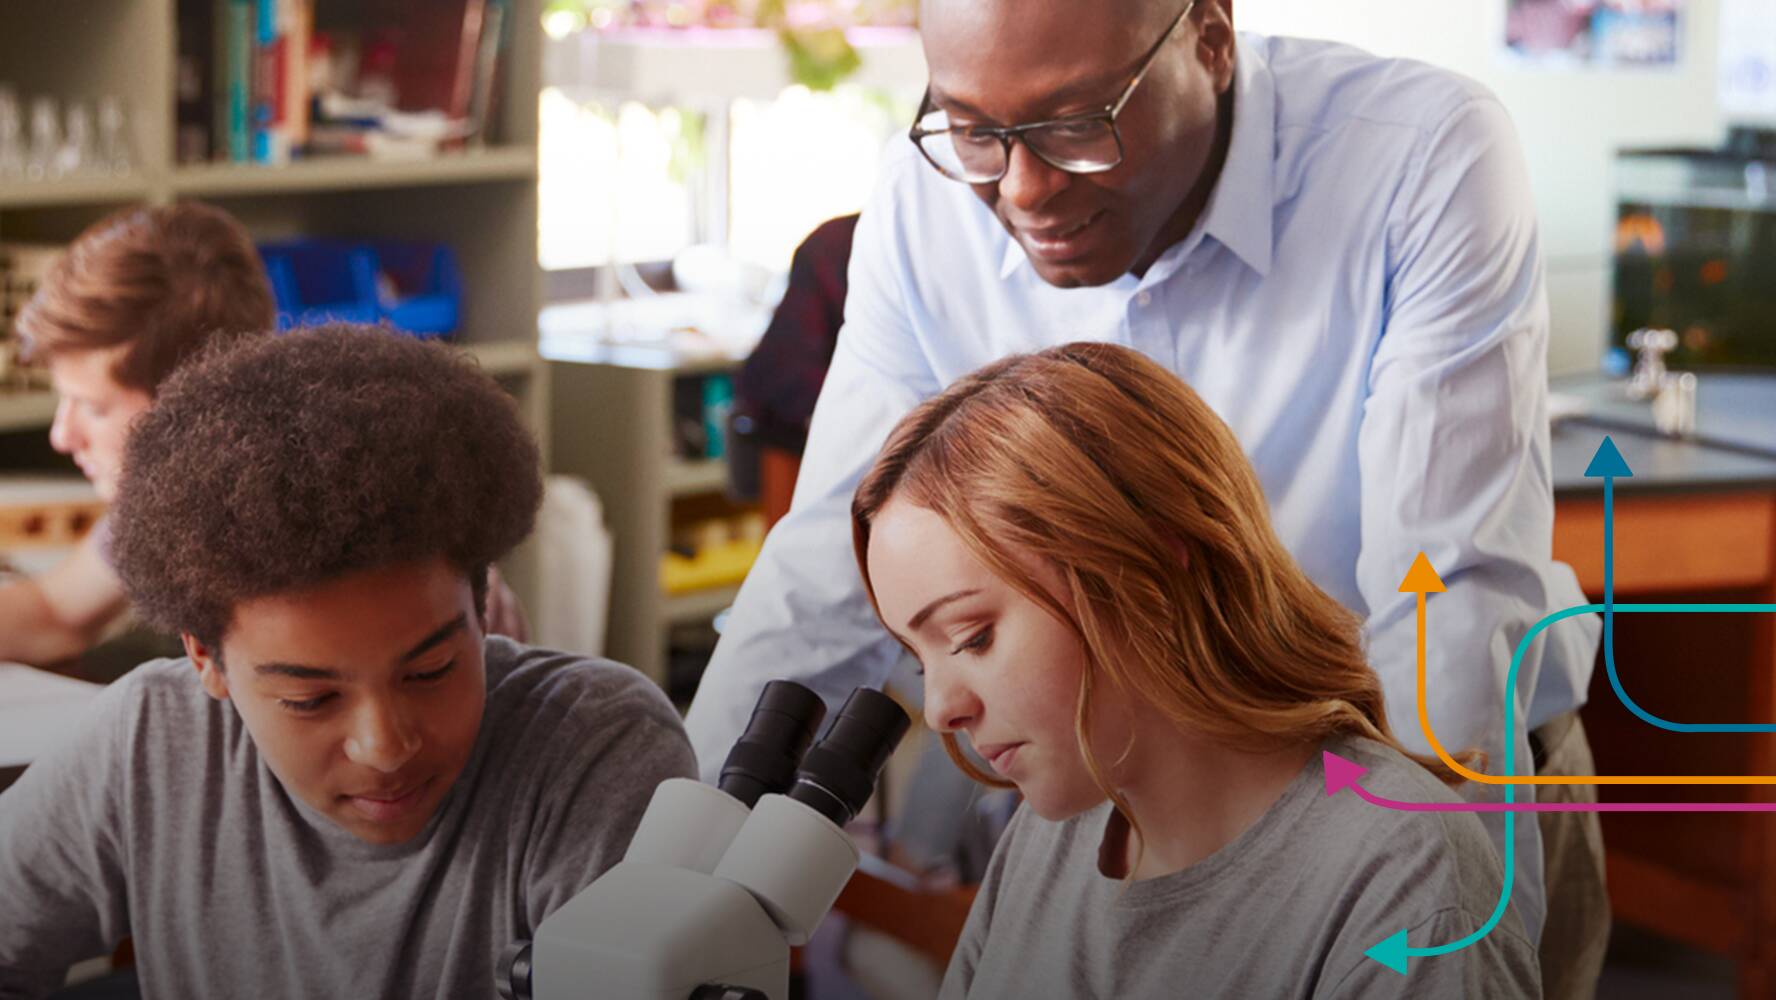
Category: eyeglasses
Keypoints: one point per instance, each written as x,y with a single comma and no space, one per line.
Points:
1078,144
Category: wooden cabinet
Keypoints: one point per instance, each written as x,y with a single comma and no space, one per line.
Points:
1705,879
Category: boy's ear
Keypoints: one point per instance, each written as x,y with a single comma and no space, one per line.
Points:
209,666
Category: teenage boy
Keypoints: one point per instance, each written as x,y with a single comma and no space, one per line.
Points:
345,788
133,297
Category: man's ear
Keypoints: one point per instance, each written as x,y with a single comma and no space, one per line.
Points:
1216,41
209,666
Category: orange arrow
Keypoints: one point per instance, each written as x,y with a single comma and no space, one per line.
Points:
1421,579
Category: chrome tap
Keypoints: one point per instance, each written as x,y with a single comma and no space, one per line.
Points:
1673,394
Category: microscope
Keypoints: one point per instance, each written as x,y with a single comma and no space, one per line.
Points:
720,881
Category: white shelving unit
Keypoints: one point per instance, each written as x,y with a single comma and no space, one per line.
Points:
685,477
26,410
612,400
74,191
473,166
611,420
481,202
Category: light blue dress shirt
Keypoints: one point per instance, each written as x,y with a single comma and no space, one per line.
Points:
1362,301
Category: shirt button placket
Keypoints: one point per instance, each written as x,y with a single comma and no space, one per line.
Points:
1142,330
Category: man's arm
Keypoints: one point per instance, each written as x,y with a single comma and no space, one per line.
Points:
59,615
63,891
802,613
1454,460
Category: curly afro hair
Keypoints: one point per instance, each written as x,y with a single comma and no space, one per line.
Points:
274,464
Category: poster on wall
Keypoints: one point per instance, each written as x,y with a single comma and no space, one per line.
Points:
1748,59
1602,34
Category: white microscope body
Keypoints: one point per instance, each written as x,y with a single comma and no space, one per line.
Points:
711,894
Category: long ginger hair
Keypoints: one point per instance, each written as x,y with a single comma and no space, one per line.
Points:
1107,467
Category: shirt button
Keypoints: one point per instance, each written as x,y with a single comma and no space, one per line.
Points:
1144,299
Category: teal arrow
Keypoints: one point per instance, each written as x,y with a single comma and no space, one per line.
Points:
1391,953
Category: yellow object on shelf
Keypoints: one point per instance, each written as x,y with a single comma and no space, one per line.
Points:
720,565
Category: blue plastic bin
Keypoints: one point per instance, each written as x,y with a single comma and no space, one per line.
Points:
421,289
319,281
414,287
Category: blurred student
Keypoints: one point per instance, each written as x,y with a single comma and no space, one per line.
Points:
1080,556
133,297
346,787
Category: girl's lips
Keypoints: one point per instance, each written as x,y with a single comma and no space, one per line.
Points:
1001,756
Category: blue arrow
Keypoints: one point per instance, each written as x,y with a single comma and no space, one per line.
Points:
1608,465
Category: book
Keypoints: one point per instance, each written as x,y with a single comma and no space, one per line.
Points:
481,91
266,103
195,84
435,64
237,88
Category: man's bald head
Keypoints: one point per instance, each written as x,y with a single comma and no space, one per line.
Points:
1026,27
1012,62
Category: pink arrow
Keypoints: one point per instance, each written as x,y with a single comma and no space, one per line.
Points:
1342,773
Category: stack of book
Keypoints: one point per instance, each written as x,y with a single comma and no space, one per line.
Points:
268,81
22,268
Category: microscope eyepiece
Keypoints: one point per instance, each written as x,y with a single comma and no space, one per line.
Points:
511,977
764,761
837,776
717,991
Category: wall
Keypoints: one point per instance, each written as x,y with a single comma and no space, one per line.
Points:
1571,123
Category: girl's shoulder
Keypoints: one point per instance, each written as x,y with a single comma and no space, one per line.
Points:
1422,850
1389,773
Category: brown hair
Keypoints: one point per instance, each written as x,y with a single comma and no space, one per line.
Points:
272,464
1106,466
162,280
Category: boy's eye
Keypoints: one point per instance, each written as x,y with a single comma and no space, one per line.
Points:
306,704
435,675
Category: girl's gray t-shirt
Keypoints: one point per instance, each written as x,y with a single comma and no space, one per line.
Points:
161,822
1285,912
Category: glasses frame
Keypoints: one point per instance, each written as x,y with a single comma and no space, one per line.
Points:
1006,134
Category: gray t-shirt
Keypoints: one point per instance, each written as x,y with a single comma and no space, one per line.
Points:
1286,910
160,821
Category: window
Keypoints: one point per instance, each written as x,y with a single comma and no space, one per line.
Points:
727,157
613,182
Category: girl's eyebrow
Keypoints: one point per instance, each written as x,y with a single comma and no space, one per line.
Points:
926,612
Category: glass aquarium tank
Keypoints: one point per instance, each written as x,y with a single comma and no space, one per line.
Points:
1695,252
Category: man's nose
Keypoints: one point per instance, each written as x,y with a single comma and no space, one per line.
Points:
1030,181
950,705
65,433
383,737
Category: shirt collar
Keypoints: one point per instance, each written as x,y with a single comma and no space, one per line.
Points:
1240,210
